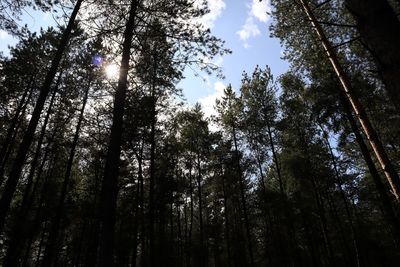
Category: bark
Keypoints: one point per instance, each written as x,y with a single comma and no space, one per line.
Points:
287,212
38,216
226,217
152,182
382,192
19,231
379,150
51,245
201,224
379,29
12,130
349,215
109,190
138,207
243,199
19,160
189,240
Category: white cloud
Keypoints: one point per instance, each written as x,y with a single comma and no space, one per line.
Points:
218,61
4,35
216,7
249,29
258,11
261,10
208,102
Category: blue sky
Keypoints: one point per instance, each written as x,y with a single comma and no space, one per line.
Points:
242,24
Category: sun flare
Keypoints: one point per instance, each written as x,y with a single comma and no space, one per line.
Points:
112,71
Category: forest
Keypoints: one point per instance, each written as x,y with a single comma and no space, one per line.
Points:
296,170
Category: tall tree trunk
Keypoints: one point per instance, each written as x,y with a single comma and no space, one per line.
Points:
13,128
379,29
201,224
339,184
243,198
79,247
226,217
51,246
382,192
189,240
38,215
152,183
42,237
19,231
139,223
90,254
380,152
109,189
19,160
292,236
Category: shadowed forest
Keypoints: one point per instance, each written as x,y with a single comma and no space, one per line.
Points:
103,164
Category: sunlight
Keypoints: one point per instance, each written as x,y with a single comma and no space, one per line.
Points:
112,71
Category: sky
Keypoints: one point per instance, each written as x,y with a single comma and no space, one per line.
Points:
243,24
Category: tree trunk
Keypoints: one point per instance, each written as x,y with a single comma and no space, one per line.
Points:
19,160
226,217
19,231
201,226
292,236
138,208
51,246
339,184
380,152
152,242
109,190
189,241
243,198
379,29
382,192
13,128
38,216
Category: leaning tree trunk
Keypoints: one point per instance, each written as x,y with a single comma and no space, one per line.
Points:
378,148
19,160
19,233
379,29
109,190
12,129
384,197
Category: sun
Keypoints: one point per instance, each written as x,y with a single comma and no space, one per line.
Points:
112,71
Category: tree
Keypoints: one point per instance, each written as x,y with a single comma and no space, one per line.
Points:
229,109
16,169
378,25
